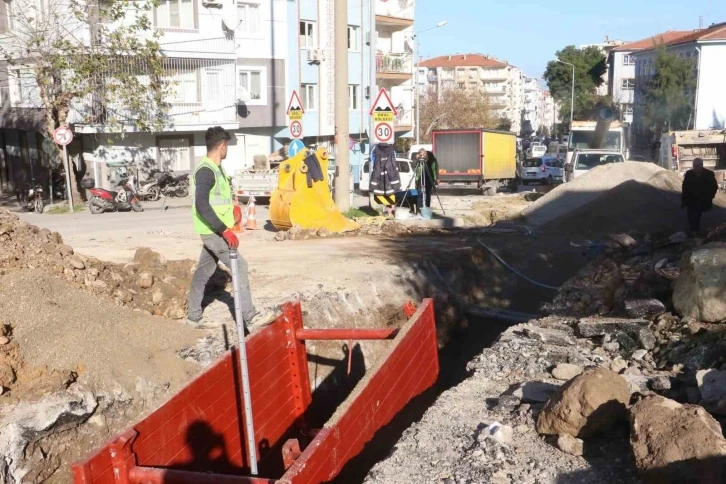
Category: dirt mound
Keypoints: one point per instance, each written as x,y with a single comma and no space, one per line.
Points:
150,283
570,196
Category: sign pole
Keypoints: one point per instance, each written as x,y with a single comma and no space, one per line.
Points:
68,178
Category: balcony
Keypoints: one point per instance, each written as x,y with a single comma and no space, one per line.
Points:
394,66
394,14
223,47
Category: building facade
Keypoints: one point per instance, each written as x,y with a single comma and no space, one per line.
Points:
706,49
605,47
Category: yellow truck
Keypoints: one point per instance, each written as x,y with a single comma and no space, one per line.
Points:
482,157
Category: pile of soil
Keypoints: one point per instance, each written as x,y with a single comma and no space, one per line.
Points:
149,283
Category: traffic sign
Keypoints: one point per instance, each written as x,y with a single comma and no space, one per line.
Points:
63,135
383,110
296,146
296,130
383,132
295,110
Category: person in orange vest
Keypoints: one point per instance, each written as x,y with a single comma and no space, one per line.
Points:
214,214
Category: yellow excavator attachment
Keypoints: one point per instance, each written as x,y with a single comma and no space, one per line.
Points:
294,203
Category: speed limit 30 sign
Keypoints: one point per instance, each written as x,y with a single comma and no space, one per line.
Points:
383,132
296,130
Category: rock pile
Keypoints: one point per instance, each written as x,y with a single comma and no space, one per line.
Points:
148,284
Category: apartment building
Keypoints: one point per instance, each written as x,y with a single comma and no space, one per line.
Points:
621,70
503,82
532,112
605,47
706,48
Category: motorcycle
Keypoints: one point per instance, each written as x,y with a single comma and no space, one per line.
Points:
32,197
172,186
112,201
148,191
59,185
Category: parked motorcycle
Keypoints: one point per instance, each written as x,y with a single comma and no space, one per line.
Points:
59,185
171,185
112,201
148,191
31,197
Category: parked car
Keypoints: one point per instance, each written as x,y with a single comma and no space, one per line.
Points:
405,170
585,160
545,170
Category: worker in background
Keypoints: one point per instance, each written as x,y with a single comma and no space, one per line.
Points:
699,190
427,176
214,213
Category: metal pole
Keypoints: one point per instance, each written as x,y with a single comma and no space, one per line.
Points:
342,180
68,179
572,98
418,93
243,369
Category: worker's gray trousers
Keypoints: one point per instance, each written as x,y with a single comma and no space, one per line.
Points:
216,249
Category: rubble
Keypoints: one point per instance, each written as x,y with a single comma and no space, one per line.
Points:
570,445
566,371
712,385
699,289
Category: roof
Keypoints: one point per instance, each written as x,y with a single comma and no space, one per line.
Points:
462,60
714,32
646,44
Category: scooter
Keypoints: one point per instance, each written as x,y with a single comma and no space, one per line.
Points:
32,197
109,201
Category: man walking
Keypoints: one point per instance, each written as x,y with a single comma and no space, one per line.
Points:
214,213
699,189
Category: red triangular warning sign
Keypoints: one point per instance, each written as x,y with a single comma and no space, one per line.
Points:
383,103
295,104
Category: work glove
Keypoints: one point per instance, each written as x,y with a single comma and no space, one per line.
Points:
237,214
230,238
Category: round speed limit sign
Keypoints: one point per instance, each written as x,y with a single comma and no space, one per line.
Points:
383,132
296,130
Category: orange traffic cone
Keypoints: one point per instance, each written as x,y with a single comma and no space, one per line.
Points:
238,227
252,216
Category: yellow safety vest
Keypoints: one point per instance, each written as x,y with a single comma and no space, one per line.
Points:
220,198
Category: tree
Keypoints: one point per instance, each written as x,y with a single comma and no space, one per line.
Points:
590,66
504,124
457,109
99,60
668,94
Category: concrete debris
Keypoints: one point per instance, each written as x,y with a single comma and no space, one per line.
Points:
644,308
590,327
498,432
712,385
674,443
550,336
535,391
699,289
589,404
570,445
566,371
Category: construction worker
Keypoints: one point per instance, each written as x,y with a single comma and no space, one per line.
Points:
214,214
427,172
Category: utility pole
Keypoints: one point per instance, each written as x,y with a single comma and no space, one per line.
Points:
342,160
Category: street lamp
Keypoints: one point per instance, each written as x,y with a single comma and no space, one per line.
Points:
572,99
416,86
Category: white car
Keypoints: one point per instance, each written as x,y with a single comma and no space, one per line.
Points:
405,170
536,150
585,160
545,170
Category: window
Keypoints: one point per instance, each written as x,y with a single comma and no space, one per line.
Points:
214,85
447,74
309,96
628,84
307,35
353,99
175,14
628,60
8,23
184,87
26,88
252,85
461,85
174,154
472,73
249,17
353,37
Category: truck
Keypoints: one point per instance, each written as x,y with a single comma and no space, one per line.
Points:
483,157
679,148
584,135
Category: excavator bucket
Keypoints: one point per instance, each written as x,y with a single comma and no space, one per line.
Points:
303,198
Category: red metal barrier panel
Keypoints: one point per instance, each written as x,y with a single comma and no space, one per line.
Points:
411,367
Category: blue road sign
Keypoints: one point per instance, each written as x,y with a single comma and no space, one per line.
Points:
296,146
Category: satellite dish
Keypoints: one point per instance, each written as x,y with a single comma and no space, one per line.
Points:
230,22
243,95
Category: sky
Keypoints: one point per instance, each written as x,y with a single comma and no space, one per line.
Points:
527,33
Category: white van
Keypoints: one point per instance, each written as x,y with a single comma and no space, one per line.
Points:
405,170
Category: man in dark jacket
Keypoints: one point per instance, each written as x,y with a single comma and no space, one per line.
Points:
427,173
699,190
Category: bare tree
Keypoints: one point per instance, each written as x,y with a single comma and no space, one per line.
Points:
457,108
96,62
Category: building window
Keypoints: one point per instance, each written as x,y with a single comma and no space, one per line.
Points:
307,35
249,18
461,85
472,73
353,99
26,88
628,60
252,85
174,154
628,84
175,14
353,38
309,96
8,25
184,87
447,74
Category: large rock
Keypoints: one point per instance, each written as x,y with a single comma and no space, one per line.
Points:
674,443
586,405
589,327
700,290
712,385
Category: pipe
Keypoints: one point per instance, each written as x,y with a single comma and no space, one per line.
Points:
600,136
345,334
151,475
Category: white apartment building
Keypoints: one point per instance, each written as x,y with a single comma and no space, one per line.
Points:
621,70
532,113
503,82
550,115
707,50
604,47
